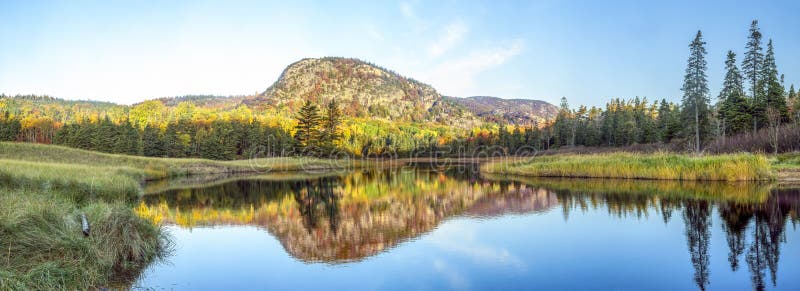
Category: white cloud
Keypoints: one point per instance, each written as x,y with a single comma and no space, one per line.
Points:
465,241
407,10
453,34
458,76
456,279
373,32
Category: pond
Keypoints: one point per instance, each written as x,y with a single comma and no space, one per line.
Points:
454,229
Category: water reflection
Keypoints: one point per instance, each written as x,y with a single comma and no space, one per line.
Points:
349,217
344,218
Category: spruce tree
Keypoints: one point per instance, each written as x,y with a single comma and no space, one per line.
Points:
330,125
663,121
752,66
794,98
563,127
732,103
695,93
773,97
152,145
307,130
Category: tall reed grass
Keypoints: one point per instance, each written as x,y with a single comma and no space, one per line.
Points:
662,166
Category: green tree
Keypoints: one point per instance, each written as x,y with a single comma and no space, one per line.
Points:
330,125
733,107
752,65
695,93
662,121
794,96
563,125
152,144
773,97
307,130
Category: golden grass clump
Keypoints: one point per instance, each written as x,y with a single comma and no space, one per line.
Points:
660,166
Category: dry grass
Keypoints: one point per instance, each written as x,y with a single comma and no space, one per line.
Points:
156,168
43,247
662,166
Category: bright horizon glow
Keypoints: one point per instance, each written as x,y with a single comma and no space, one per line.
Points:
588,51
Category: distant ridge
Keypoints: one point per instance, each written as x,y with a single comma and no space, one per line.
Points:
512,111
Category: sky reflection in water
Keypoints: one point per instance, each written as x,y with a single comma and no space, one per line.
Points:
422,229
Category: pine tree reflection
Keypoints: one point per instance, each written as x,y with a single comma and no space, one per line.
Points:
316,198
697,218
735,218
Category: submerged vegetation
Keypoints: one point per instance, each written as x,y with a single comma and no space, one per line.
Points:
664,166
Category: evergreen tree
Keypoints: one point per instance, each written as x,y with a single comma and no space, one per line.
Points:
330,125
563,124
307,130
732,103
794,97
773,97
752,65
129,139
173,146
695,93
504,138
152,145
663,121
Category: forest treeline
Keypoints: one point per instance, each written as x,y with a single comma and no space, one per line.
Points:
754,111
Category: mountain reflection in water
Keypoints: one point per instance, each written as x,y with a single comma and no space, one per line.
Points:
349,217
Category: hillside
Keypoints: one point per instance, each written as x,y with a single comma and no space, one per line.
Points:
512,111
364,90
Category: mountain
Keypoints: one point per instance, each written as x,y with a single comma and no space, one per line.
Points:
513,111
363,90
208,101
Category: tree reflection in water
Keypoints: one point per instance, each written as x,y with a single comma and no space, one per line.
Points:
697,218
349,217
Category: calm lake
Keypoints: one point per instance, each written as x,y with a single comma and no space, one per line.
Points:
442,229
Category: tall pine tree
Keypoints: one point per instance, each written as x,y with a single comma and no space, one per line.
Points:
307,130
752,65
732,103
773,97
695,93
330,125
794,98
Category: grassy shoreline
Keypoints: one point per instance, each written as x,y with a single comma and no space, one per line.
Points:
658,166
44,189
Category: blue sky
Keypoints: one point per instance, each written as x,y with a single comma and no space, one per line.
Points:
588,51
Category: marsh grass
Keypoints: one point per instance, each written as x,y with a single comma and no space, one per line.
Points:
659,166
43,248
787,161
80,183
157,168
